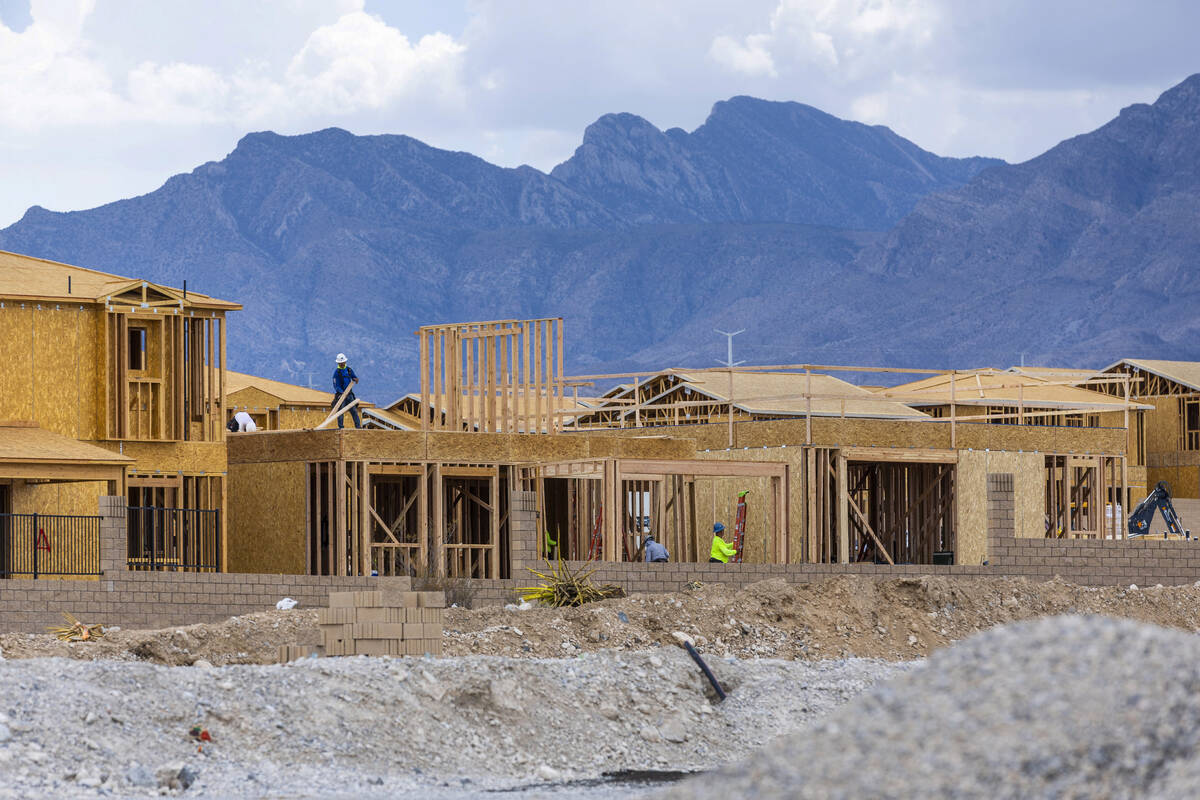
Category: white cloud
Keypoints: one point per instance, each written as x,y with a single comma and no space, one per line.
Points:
50,76
749,57
359,62
101,99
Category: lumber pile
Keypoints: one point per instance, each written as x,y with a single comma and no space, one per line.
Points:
377,623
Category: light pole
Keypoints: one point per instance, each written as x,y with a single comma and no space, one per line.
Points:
730,363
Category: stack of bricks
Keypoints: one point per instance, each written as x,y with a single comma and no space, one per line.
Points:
1001,520
382,623
523,531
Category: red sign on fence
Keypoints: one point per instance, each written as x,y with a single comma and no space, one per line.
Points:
43,543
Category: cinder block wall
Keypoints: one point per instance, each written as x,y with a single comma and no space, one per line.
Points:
160,599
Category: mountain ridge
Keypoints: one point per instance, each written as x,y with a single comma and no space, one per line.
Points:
833,241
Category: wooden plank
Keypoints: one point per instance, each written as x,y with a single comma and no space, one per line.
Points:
340,409
439,523
494,518
538,385
364,519
424,368
556,422
466,472
423,520
716,469
907,455
610,511
526,400
221,379
866,526
395,469
339,513
843,513
308,520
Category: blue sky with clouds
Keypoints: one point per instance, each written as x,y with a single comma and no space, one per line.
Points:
104,99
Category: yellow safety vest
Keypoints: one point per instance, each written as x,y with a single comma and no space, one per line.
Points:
722,550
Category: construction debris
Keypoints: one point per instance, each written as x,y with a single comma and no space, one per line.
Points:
564,587
76,631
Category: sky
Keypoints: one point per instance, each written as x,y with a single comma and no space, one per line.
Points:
105,99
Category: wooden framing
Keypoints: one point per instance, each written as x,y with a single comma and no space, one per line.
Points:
629,496
479,376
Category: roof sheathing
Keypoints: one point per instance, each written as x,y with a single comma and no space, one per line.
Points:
30,279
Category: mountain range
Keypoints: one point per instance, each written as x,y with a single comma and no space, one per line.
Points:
830,241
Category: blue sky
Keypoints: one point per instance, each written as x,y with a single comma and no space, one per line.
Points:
105,99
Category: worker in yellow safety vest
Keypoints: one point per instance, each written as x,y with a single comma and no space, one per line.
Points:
722,550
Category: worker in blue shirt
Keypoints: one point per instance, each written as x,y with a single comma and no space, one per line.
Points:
655,552
344,377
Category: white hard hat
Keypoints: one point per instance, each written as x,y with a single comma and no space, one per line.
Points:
341,358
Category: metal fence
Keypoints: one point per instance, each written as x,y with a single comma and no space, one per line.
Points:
183,539
49,545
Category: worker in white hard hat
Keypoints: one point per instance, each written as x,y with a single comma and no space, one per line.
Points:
343,379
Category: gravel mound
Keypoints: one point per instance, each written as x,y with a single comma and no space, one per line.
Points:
383,727
1067,707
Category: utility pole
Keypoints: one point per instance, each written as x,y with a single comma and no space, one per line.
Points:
730,363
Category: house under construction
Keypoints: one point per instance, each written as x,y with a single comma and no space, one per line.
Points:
834,473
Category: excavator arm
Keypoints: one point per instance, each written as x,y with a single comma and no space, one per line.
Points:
1158,500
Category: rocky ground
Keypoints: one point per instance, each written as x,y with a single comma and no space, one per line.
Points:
1068,707
386,727
546,702
897,620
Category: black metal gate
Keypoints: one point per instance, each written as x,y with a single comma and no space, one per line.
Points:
183,539
49,544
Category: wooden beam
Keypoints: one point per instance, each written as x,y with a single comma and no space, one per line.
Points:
339,512
715,469
338,411
843,518
863,521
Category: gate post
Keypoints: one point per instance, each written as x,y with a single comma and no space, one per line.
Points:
114,534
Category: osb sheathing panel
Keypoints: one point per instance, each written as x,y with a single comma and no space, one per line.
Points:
16,352
364,445
296,417
1029,513
1183,480
716,501
82,498
1184,458
640,446
446,447
262,447
796,507
55,366
266,518
838,432
171,457
1162,425
252,399
1138,481
1041,438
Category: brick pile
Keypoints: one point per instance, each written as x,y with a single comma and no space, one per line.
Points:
377,623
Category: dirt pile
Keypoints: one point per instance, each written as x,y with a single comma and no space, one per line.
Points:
1067,707
249,639
898,619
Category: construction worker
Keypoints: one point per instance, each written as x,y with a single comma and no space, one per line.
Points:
241,422
344,378
655,552
551,546
722,550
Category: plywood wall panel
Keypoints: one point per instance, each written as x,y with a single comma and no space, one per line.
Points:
266,518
